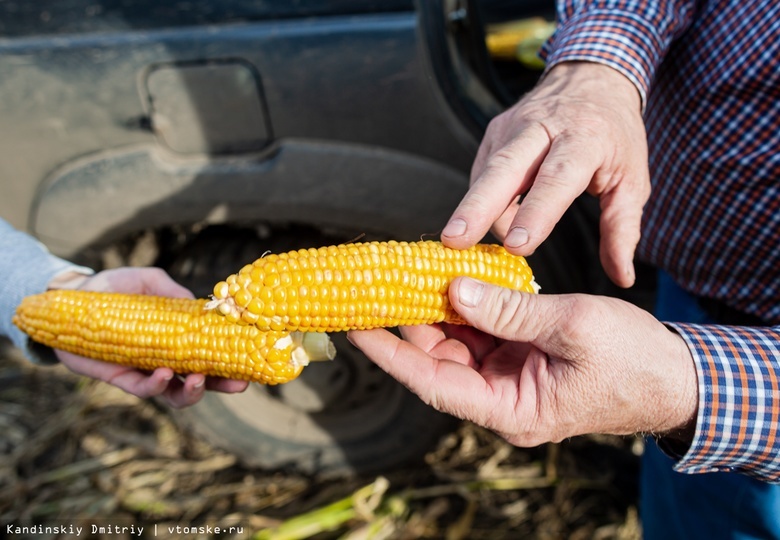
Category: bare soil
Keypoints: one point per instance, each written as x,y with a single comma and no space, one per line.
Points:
78,453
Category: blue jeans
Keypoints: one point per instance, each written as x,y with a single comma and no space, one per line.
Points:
707,506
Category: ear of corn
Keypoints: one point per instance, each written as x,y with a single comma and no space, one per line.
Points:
361,285
147,332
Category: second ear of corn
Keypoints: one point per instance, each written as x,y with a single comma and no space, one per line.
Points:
361,285
147,332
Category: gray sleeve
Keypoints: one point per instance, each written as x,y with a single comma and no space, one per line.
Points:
26,267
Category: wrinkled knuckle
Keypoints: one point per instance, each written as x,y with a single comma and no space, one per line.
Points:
534,206
476,202
555,173
430,398
509,309
501,161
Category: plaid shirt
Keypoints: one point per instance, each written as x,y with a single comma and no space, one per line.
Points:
708,72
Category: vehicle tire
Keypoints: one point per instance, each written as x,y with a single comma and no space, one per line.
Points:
341,417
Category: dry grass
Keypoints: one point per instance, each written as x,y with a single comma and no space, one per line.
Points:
76,452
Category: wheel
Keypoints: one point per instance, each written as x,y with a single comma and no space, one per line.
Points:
344,416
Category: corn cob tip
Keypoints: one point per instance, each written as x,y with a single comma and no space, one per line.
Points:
226,305
306,348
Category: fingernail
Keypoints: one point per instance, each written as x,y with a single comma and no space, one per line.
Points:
470,292
168,376
456,227
516,238
198,385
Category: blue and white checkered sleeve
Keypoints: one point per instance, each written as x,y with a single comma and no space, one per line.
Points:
738,423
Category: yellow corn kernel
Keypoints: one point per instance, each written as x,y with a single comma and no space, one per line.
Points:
147,332
362,285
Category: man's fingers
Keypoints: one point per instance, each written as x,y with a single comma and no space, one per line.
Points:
446,385
458,343
402,360
507,172
620,222
505,313
423,336
562,177
504,221
479,344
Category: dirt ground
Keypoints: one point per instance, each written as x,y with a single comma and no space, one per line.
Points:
76,453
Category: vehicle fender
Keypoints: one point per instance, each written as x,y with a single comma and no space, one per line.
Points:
98,199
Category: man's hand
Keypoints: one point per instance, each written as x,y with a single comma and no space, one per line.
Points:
162,381
579,130
558,366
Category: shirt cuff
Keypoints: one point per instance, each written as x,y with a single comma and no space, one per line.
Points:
622,40
738,421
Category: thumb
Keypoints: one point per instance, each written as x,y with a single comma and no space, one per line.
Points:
159,282
506,313
147,280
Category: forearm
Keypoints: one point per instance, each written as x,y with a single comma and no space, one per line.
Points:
738,424
26,268
632,39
